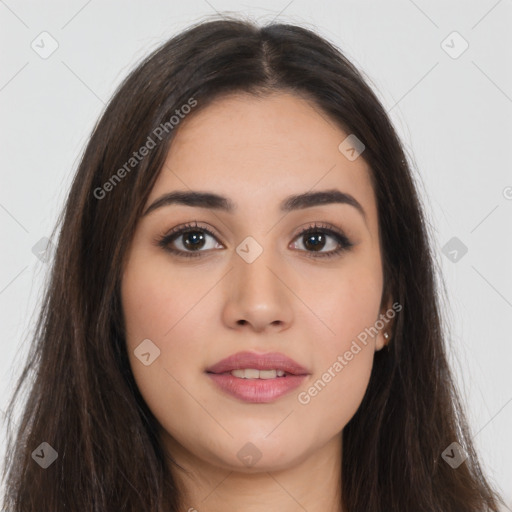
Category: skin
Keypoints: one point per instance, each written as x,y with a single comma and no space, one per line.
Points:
197,311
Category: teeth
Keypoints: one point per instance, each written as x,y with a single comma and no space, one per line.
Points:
251,373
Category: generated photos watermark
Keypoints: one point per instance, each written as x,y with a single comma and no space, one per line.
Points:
304,397
152,141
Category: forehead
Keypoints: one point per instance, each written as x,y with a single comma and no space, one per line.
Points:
257,150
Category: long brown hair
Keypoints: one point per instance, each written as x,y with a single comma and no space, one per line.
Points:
82,398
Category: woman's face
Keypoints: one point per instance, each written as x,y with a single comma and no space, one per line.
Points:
255,284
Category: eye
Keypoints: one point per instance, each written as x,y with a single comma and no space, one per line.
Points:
189,240
317,241
317,237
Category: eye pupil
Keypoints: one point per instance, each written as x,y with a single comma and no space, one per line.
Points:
192,238
318,241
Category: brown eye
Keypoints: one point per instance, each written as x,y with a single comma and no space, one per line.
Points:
314,241
193,240
190,240
317,238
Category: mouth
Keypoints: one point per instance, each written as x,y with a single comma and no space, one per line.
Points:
257,378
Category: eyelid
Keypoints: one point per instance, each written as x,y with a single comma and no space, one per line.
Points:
326,226
190,226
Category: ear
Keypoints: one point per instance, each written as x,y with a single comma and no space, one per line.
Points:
387,313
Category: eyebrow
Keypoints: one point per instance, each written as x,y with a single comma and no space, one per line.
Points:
216,202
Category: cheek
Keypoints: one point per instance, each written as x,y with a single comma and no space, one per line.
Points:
339,384
347,307
168,310
155,300
344,360
344,303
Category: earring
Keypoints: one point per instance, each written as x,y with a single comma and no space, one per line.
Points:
386,337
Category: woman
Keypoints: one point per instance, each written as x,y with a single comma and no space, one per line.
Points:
242,310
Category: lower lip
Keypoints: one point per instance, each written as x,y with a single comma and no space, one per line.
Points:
257,390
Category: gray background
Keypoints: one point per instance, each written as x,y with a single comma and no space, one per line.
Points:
453,111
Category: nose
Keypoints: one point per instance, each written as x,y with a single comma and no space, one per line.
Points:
257,296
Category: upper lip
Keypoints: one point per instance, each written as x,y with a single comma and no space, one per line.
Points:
268,361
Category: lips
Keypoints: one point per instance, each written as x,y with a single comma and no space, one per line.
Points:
257,390
268,361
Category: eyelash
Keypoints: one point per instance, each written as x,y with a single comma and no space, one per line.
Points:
344,243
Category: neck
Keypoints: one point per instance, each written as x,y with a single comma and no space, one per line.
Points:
313,483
